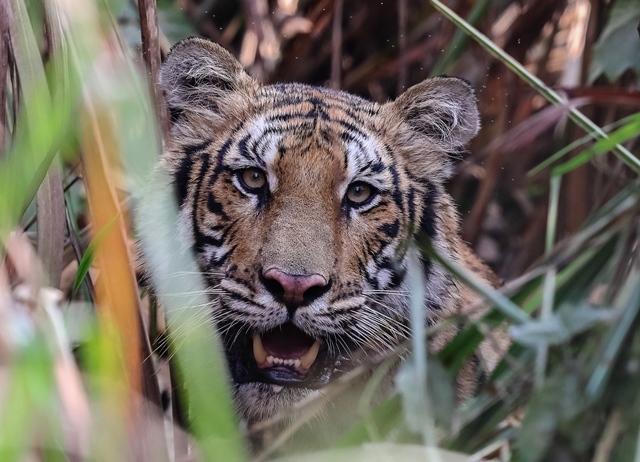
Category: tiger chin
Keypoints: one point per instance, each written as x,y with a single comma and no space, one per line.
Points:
299,204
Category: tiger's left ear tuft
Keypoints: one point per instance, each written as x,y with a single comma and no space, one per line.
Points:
444,109
202,77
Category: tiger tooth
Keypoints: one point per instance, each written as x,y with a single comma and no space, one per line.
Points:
307,359
270,359
259,353
296,363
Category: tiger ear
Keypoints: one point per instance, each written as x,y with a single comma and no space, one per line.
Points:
444,109
201,76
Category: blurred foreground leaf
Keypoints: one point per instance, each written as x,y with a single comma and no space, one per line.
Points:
204,376
381,452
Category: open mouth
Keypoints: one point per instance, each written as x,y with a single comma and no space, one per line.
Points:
286,347
284,355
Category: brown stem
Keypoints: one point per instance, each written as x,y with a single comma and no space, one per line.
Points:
403,70
151,55
336,45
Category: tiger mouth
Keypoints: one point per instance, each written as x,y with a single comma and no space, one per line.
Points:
285,347
285,356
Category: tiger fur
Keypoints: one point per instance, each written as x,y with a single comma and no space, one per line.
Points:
300,204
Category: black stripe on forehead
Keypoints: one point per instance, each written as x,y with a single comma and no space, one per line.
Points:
277,130
304,91
281,95
244,151
285,117
318,109
351,128
353,134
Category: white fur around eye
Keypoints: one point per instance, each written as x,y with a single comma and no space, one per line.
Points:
240,187
353,211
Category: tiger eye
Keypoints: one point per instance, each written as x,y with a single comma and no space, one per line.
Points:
253,178
359,193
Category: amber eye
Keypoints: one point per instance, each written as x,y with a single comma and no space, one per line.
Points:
359,193
253,179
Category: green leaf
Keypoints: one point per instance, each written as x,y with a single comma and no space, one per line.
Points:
558,400
618,47
213,421
509,309
173,22
560,327
576,144
534,82
628,131
90,254
385,418
380,452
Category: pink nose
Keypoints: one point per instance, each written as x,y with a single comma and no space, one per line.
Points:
294,288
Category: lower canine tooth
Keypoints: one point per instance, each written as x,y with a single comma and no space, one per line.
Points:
259,353
307,359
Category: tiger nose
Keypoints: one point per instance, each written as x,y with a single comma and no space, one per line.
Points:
294,289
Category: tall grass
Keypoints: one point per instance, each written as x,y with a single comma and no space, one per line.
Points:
568,386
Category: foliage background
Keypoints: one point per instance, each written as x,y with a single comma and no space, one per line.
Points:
554,213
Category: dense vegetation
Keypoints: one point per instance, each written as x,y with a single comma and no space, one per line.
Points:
549,194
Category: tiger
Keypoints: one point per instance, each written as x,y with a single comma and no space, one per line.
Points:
301,206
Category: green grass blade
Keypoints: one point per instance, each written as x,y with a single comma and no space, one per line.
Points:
548,289
87,259
459,41
509,309
629,319
577,143
549,94
211,411
628,131
412,378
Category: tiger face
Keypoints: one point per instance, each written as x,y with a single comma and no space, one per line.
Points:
300,204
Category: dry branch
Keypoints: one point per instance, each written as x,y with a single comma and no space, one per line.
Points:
151,54
403,69
51,224
336,45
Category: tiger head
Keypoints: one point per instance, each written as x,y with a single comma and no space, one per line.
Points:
300,204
